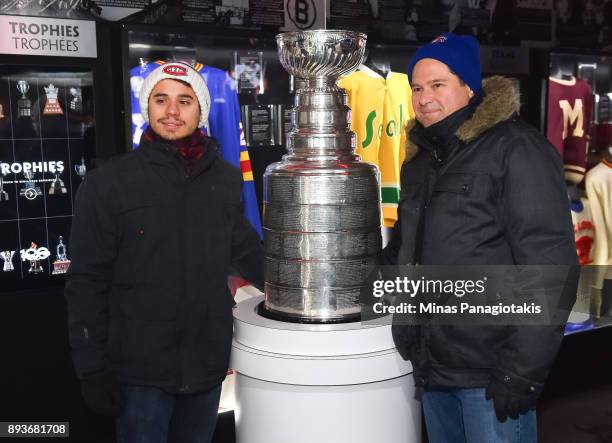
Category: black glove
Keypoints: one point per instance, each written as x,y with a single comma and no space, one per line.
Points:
512,395
102,393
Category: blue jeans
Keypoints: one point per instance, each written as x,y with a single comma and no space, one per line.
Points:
155,416
466,416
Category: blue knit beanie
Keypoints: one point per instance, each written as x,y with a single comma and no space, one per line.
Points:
461,53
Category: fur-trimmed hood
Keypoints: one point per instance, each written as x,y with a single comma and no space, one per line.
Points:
501,100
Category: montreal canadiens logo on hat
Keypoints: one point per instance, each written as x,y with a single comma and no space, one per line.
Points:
439,39
175,70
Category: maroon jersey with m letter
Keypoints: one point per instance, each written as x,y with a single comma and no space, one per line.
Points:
570,104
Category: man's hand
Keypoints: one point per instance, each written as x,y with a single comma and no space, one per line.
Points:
511,396
102,394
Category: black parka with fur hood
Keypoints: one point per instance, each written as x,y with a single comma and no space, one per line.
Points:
496,197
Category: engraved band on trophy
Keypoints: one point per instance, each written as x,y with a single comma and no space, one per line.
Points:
30,190
76,103
52,107
81,168
321,203
62,263
34,255
7,257
24,105
3,194
57,186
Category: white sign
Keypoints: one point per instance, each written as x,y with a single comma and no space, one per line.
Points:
302,15
18,168
535,4
47,36
504,59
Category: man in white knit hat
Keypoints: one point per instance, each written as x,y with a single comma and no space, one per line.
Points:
153,238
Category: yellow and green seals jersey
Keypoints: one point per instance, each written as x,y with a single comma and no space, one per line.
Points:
381,108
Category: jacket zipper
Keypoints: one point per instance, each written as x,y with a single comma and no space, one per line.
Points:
434,169
181,302
434,165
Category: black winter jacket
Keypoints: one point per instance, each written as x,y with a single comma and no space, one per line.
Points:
496,196
151,249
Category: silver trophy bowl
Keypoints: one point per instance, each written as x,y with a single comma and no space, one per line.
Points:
23,87
321,203
321,54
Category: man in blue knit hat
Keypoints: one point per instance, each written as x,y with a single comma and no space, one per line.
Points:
479,187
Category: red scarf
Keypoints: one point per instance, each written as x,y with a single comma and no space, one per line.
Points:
190,149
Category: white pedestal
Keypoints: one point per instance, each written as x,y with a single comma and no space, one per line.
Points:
301,383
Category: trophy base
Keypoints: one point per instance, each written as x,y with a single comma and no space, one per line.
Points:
60,267
336,376
273,315
53,110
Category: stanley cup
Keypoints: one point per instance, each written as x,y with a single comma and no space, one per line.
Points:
321,203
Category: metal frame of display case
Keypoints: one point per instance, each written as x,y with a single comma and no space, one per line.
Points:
572,56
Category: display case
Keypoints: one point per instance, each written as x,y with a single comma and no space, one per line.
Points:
250,91
46,143
578,122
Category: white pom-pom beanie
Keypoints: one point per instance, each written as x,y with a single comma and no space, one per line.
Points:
176,71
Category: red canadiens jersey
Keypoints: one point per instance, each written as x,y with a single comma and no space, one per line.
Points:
570,105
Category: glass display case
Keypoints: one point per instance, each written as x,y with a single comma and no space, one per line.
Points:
46,141
250,93
578,122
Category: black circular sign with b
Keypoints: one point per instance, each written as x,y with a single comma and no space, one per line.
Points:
302,13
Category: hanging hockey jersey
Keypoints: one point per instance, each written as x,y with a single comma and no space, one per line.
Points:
223,124
381,108
599,192
570,105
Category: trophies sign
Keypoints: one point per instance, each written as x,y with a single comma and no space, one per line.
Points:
24,105
7,257
30,191
57,186
34,255
61,264
53,106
